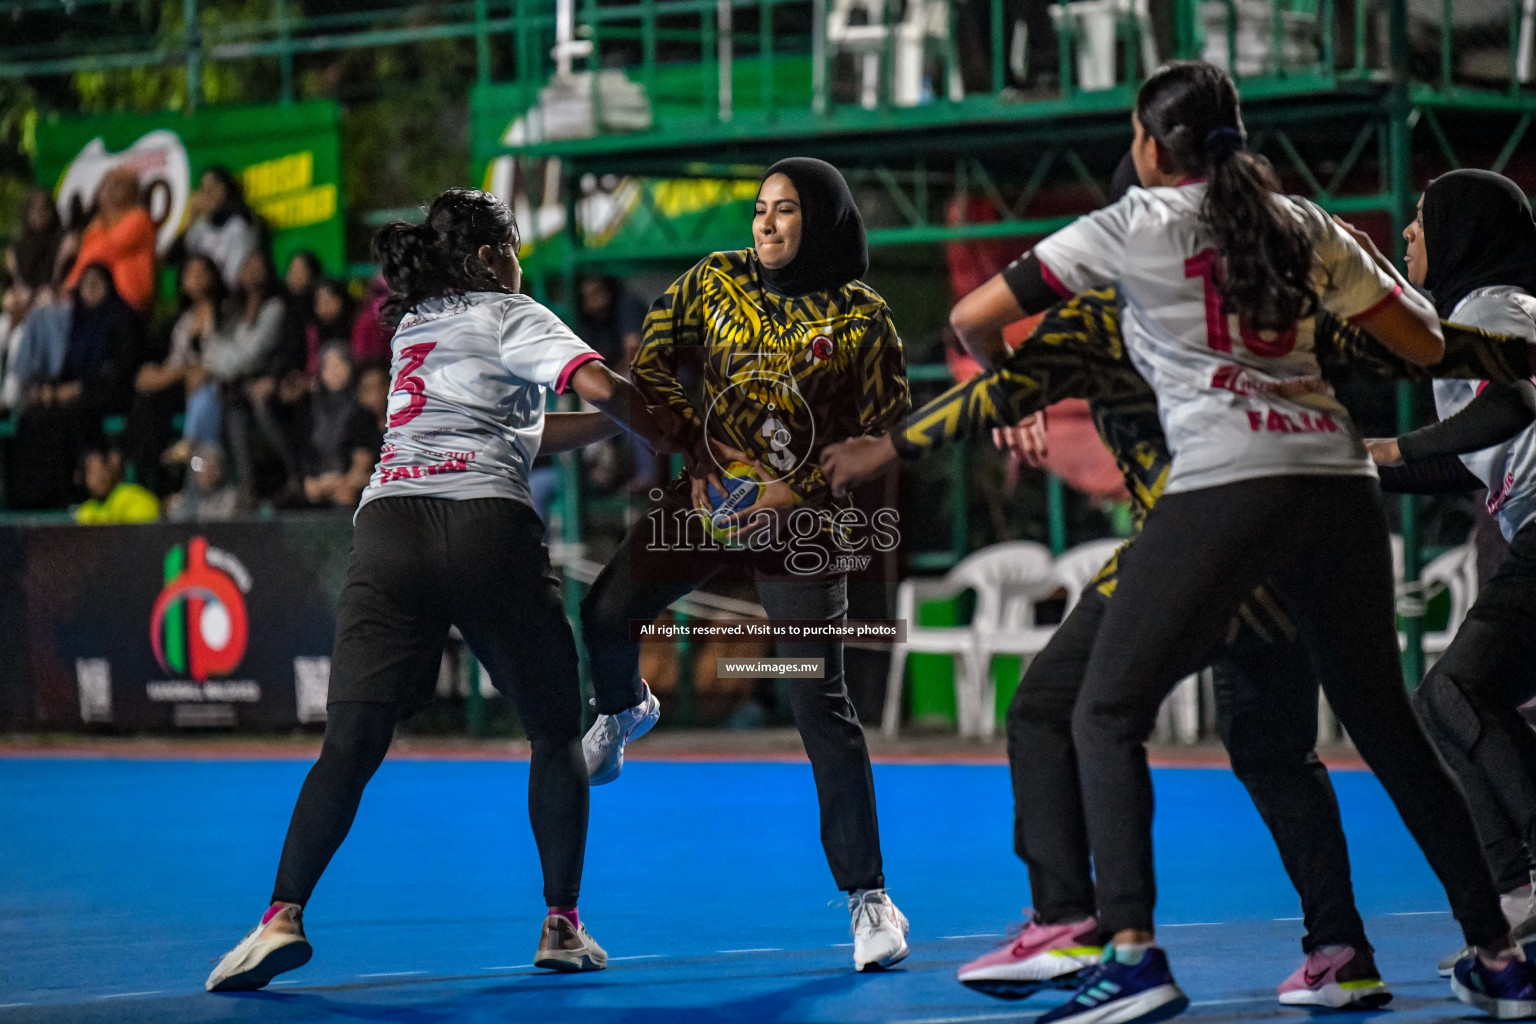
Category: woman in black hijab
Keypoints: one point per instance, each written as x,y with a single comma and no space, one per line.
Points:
105,345
797,353
1473,247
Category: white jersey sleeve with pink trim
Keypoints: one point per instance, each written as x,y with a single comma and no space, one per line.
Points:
1089,252
1236,403
467,389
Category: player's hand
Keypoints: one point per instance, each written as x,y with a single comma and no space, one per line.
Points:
775,498
704,464
847,464
1384,451
670,430
1025,441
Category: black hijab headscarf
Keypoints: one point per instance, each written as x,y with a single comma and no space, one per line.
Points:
96,332
1478,232
832,247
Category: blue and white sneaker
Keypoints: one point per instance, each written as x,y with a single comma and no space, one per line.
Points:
1507,994
1115,992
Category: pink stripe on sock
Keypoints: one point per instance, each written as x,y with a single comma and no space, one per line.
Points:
570,915
273,911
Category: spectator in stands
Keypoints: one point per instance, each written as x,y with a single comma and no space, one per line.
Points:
223,228
112,499
14,307
208,495
609,319
163,385
240,347
335,313
121,237
370,338
102,348
343,440
373,395
236,354
32,260
299,283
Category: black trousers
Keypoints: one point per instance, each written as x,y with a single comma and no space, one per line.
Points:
1470,705
649,572
1266,700
417,566
1322,543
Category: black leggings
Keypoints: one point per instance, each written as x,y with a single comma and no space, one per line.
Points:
419,565
1469,703
1266,702
1322,542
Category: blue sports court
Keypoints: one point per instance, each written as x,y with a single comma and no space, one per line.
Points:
705,881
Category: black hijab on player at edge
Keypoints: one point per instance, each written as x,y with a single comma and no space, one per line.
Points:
832,247
1478,232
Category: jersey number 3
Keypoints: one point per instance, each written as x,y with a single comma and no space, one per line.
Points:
1206,265
411,359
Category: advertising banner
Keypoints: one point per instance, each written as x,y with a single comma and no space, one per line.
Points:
288,158
161,626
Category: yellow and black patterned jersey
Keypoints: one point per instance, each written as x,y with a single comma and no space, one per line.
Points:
783,377
1076,352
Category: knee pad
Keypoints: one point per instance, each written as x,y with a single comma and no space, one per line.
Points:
1448,710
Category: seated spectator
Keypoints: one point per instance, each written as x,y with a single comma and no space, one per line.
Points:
373,395
299,283
370,338
223,228
335,314
32,260
343,439
236,354
14,307
162,385
208,496
112,499
122,237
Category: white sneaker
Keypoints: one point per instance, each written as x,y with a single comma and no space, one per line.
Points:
567,947
263,954
603,745
879,930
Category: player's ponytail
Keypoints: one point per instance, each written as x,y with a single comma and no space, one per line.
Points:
441,255
1191,109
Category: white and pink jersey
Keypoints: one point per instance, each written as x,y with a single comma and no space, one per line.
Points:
1508,469
466,401
1235,403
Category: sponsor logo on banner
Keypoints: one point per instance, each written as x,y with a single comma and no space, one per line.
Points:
198,627
159,160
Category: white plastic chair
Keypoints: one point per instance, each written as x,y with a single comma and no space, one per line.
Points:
1009,580
1093,24
956,641
1075,569
1456,572
923,21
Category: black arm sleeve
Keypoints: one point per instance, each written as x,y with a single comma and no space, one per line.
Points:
1444,474
1498,413
1029,286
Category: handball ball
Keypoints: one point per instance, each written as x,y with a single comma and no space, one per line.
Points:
742,488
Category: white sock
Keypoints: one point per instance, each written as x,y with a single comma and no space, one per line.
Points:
1131,953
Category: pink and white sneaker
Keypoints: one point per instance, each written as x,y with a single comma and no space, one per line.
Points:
1339,978
1039,956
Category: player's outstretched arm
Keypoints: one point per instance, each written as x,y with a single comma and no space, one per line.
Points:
621,402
